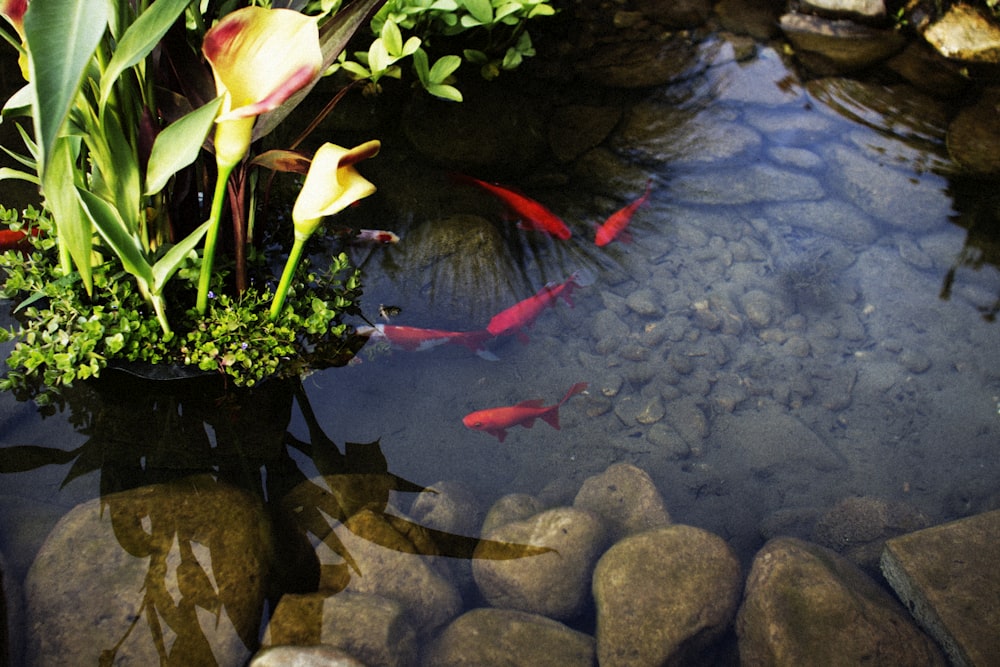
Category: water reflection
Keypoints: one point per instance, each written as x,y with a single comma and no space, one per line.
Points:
208,507
978,211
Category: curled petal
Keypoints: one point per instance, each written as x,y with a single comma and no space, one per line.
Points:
261,57
331,185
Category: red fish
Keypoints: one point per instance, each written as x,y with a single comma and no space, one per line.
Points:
616,224
496,421
416,339
16,240
533,215
523,313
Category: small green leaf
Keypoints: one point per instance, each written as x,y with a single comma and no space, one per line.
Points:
167,265
445,92
178,145
444,67
392,38
481,10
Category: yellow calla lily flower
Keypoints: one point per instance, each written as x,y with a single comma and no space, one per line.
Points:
13,11
260,57
332,184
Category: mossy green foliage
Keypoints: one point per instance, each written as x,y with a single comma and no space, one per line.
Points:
62,335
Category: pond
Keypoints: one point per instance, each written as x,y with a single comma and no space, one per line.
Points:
803,313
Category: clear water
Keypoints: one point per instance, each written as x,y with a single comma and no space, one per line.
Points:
803,314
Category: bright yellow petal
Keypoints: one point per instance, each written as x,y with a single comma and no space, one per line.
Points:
331,185
261,57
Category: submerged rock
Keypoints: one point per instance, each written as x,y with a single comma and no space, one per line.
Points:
663,596
502,637
162,573
963,33
626,498
320,655
831,45
804,604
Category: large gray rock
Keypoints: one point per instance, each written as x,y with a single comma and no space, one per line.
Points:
165,573
806,605
974,135
373,629
964,33
626,498
319,655
663,596
504,637
555,583
857,528
948,577
833,45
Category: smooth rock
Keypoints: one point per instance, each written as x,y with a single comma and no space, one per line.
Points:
963,33
320,655
830,45
554,583
505,637
947,576
625,498
509,508
663,596
805,605
373,629
974,135
195,552
744,185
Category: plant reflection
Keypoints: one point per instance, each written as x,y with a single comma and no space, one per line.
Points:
164,449
978,209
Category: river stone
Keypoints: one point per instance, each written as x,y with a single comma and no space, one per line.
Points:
974,135
830,45
853,9
373,629
196,552
760,307
320,655
757,18
636,63
947,576
504,637
963,33
510,508
395,561
448,506
663,596
745,185
625,498
575,129
676,14
857,528
666,133
554,583
806,605
833,217
644,302
924,68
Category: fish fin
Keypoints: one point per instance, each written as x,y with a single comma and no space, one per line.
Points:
523,337
500,434
625,236
531,403
483,353
552,417
573,391
583,277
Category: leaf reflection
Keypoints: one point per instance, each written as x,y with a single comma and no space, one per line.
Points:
162,449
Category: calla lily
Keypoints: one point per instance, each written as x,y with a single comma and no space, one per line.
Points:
13,11
259,57
332,184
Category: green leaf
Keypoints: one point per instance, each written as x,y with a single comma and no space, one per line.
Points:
140,38
444,67
74,230
116,234
178,145
481,10
167,265
19,104
7,173
445,92
392,38
62,36
422,67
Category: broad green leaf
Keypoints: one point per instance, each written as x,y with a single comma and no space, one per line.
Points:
62,36
444,5
74,230
392,38
167,265
444,67
445,92
122,173
178,145
378,57
19,104
140,38
116,234
422,67
481,10
507,10
541,10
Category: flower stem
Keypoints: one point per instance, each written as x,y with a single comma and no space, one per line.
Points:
208,257
286,277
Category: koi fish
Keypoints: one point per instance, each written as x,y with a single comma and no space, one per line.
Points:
415,339
533,215
16,240
616,224
523,313
496,421
361,236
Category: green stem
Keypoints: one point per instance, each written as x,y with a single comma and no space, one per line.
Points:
161,314
208,257
286,277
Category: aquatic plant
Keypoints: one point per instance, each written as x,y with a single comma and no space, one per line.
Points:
140,114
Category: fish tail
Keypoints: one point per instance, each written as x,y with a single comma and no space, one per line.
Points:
573,391
551,416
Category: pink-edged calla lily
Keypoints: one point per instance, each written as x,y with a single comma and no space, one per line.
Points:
332,184
13,11
260,57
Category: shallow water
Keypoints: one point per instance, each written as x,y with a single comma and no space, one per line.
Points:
803,314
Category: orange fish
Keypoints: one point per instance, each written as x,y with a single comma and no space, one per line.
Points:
533,215
416,339
16,240
496,421
525,312
616,224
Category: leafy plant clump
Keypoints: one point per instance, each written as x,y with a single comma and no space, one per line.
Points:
62,335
